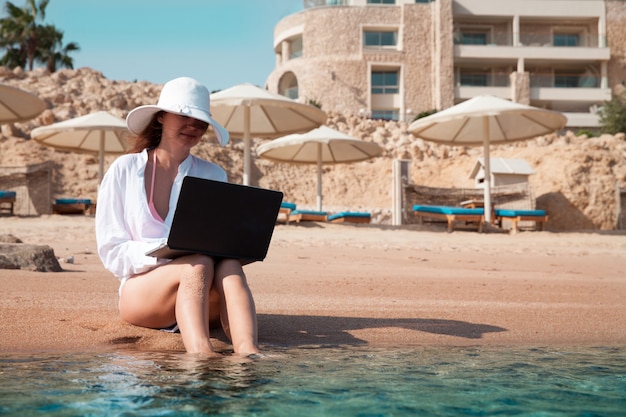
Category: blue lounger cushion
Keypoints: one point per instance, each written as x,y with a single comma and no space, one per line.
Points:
518,213
286,205
310,212
450,210
349,214
72,201
452,214
310,215
8,194
515,216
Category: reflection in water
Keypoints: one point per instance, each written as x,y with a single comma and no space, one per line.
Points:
319,381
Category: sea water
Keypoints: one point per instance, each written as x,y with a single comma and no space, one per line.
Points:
429,381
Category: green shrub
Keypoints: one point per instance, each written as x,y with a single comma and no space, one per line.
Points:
424,114
613,116
589,133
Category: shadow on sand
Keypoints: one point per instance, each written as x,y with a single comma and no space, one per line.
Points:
286,330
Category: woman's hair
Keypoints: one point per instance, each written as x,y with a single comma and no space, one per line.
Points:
150,137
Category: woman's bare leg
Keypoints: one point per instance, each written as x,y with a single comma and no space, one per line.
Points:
174,292
238,313
192,304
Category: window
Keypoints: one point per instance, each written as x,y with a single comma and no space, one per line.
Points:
381,1
566,39
288,86
424,1
385,82
373,38
392,114
473,79
473,38
572,79
565,80
295,48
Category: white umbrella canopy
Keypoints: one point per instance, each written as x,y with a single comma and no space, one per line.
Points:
485,120
99,132
247,111
17,105
319,146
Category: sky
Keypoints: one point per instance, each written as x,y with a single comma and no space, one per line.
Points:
221,43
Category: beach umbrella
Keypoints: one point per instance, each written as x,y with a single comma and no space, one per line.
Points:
319,146
485,120
247,111
98,133
18,105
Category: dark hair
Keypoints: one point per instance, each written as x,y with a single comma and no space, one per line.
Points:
150,137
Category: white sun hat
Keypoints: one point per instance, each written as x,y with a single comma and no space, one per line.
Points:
184,96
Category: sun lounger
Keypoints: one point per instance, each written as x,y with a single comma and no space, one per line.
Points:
7,201
285,210
516,216
308,215
72,206
350,217
451,214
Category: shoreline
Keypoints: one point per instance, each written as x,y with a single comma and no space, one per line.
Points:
359,286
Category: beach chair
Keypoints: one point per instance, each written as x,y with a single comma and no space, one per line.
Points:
7,201
516,216
451,215
72,206
308,215
284,212
350,217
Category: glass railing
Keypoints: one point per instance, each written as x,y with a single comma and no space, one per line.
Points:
565,80
482,80
526,39
474,38
556,40
307,4
536,80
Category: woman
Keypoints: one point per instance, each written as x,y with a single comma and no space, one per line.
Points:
136,203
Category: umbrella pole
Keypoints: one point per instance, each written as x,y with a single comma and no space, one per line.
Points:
246,145
487,182
319,177
101,157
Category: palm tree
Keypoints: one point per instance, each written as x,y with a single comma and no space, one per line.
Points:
22,28
52,52
26,41
13,35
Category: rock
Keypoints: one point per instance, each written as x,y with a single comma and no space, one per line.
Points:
38,258
9,238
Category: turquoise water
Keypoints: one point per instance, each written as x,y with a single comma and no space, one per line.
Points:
425,381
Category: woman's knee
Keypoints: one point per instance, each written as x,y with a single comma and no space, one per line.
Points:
197,266
229,267
197,261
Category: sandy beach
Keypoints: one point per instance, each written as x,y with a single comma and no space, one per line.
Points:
346,285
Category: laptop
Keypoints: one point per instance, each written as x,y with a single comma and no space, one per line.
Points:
222,220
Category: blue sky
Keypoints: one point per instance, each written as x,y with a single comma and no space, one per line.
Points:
219,42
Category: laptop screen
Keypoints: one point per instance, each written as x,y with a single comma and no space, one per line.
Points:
224,220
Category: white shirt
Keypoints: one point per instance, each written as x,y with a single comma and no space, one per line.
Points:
125,228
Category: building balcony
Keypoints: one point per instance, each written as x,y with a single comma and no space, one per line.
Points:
594,95
579,101
543,53
582,120
462,93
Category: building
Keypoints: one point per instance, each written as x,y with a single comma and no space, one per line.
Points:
504,171
395,59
